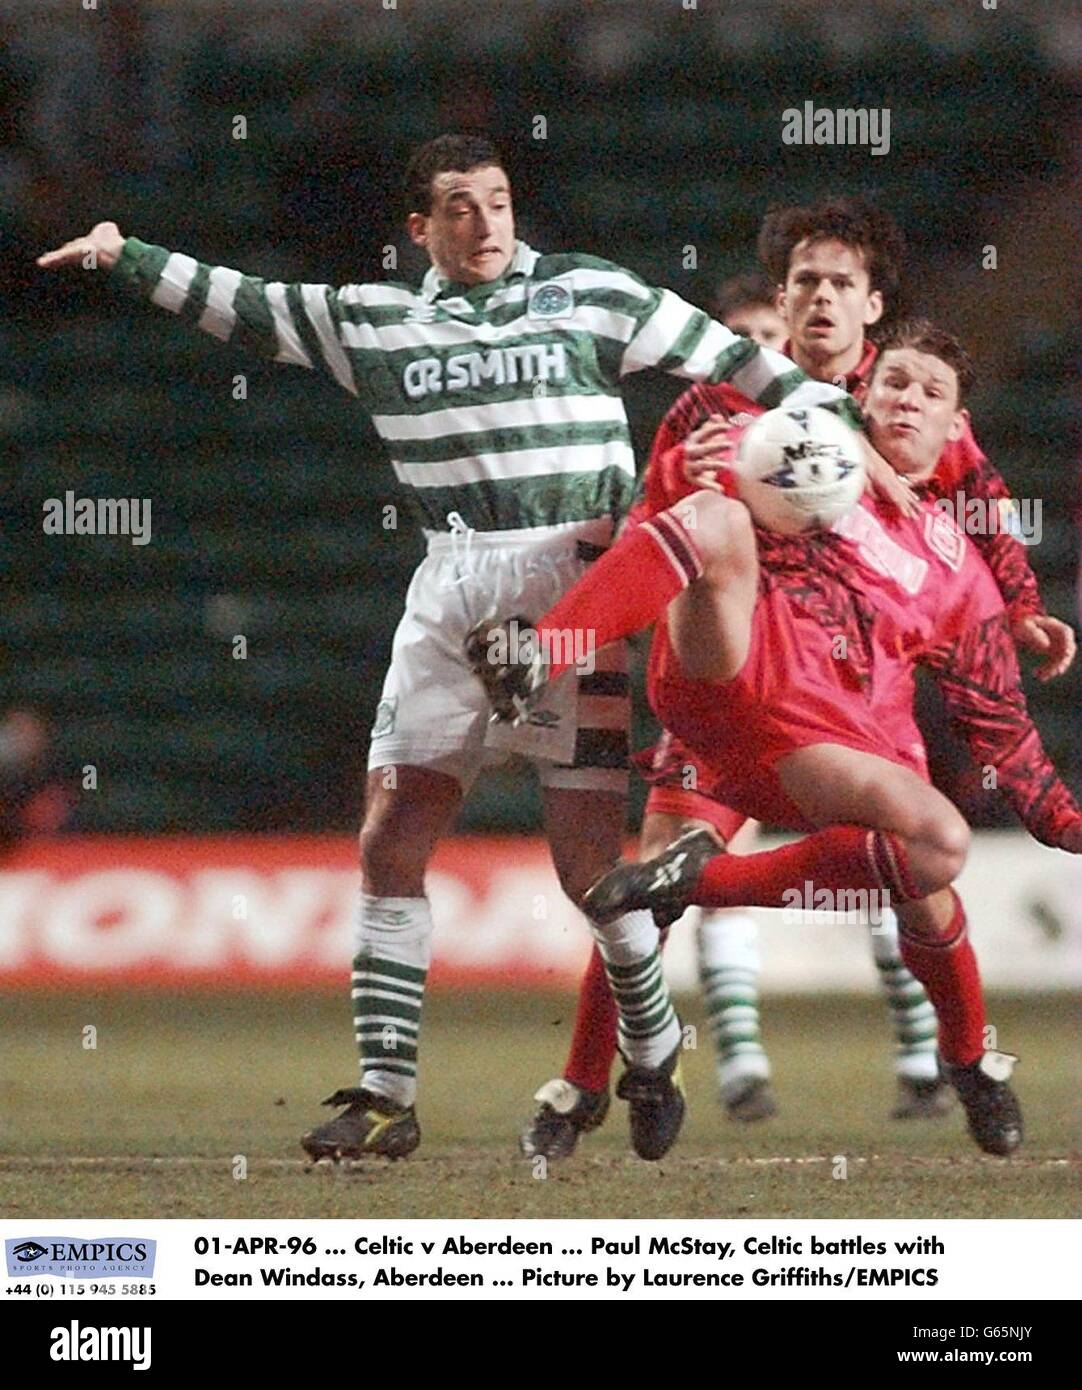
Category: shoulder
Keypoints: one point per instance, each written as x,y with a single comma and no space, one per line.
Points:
592,273
378,293
704,399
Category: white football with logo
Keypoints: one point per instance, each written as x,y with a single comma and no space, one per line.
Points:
798,469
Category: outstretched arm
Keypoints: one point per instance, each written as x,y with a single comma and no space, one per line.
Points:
639,326
99,249
672,335
301,324
697,439
982,689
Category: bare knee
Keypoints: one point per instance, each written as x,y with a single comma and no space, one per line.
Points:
720,528
392,860
402,826
585,831
937,849
949,833
579,871
576,882
661,828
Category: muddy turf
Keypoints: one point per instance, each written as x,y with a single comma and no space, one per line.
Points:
151,1121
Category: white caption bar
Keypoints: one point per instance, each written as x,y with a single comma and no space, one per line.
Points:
358,1259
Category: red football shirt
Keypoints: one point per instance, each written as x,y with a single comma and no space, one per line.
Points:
842,618
963,474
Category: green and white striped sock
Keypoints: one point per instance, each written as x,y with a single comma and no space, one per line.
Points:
648,1029
729,967
393,949
912,1013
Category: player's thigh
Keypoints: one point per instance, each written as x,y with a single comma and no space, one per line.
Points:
835,785
433,712
710,622
585,831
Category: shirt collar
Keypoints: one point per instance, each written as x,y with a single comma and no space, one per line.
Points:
523,260
858,377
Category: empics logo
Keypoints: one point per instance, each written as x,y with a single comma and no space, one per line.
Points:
27,1251
70,1258
75,1343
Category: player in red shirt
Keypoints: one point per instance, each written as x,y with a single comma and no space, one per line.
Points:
744,669
836,271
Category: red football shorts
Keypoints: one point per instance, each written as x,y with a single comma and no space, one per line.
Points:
790,694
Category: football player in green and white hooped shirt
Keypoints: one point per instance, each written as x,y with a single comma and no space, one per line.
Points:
495,388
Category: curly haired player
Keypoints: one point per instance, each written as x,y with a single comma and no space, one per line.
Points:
744,671
834,268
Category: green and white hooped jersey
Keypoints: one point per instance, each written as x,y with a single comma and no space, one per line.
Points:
499,402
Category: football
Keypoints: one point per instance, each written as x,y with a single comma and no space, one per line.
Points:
798,469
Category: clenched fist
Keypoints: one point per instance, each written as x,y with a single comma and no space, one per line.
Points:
99,250
1057,822
1049,638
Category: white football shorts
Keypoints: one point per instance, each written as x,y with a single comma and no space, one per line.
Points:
434,711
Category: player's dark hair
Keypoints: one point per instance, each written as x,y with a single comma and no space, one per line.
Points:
923,336
740,290
458,153
853,221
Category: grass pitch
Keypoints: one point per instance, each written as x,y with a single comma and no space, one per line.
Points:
150,1122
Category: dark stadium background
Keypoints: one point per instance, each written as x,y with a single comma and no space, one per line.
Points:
663,131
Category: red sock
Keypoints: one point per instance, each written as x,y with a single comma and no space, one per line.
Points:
840,857
626,590
948,971
593,1046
